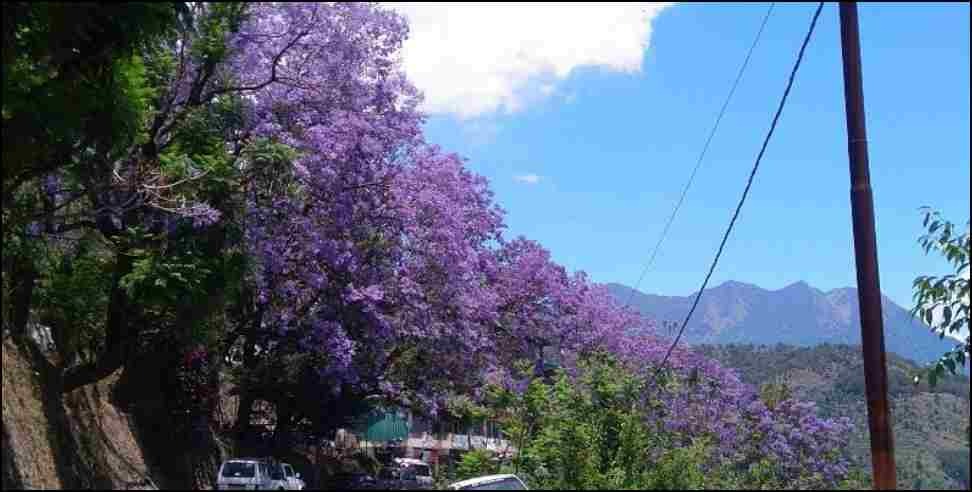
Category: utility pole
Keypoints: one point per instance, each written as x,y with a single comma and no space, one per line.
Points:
865,246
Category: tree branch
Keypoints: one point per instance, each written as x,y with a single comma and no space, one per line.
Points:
273,72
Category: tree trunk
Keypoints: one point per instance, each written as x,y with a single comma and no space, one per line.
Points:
281,431
247,397
119,338
203,461
24,279
243,413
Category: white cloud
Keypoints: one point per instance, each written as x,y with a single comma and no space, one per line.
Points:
530,179
472,59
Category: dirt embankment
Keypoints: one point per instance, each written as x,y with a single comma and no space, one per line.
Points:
114,434
54,441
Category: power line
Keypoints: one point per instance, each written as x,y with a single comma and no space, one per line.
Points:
705,150
749,184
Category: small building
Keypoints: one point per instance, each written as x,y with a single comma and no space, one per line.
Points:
440,442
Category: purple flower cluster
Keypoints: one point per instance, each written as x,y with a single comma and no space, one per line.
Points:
700,398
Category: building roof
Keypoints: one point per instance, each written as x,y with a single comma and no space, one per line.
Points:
380,426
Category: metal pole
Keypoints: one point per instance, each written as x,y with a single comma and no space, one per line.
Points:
865,246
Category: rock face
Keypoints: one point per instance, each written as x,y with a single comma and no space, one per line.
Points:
799,315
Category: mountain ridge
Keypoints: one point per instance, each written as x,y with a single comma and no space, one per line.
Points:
798,314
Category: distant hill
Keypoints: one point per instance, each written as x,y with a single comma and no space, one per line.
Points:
799,314
931,427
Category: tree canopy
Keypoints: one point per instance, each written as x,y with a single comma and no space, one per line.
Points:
194,181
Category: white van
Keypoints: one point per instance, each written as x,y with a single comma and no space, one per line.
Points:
244,474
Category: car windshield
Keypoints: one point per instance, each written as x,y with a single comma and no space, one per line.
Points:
505,484
276,473
422,471
238,469
287,471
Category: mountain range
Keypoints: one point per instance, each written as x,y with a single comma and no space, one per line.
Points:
800,315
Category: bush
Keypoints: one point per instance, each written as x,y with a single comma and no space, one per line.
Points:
475,463
592,434
366,463
604,429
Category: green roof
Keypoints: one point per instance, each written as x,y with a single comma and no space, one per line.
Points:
383,426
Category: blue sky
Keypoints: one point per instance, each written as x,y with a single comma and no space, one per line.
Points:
591,155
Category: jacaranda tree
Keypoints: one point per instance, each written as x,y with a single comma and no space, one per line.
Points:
256,179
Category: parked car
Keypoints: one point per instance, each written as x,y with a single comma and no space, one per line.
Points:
297,483
282,477
413,470
352,481
491,482
244,474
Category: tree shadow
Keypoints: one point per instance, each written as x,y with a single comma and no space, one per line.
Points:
11,475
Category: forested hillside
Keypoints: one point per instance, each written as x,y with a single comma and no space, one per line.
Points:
931,425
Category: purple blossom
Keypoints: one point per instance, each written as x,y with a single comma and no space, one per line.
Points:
34,228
